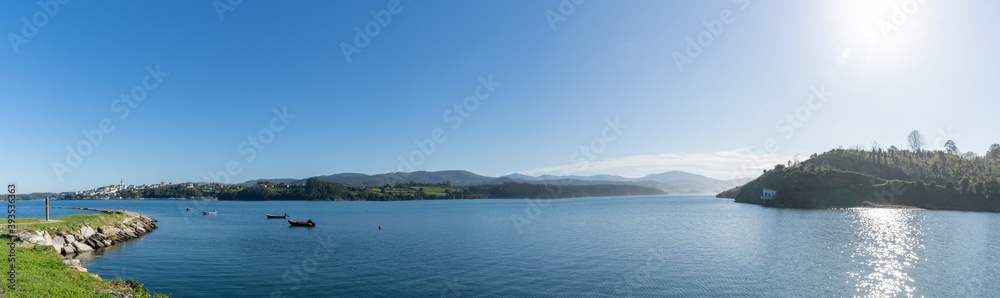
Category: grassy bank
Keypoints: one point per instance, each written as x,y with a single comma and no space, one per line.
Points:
70,223
41,271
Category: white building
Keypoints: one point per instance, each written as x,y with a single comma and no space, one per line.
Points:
769,194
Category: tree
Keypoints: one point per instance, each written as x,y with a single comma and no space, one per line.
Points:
916,141
950,147
980,188
993,153
992,188
970,155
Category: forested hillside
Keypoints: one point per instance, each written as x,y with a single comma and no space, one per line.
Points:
855,177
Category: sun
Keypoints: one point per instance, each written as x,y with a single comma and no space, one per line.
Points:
876,32
862,19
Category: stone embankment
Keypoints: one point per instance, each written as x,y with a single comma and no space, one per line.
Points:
88,238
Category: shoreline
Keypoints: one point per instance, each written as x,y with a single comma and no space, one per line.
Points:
47,254
340,200
68,241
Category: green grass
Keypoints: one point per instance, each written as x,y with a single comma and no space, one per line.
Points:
430,190
41,273
71,223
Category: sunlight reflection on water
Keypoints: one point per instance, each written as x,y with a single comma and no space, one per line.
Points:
886,244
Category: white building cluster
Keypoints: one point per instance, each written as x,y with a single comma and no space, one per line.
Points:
115,191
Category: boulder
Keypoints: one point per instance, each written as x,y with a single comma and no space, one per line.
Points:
70,239
74,264
98,240
129,233
68,249
57,243
80,247
34,238
90,242
86,232
106,242
109,232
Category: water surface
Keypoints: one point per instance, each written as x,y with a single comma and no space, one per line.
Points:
622,246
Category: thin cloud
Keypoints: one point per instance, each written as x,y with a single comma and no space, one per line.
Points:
739,163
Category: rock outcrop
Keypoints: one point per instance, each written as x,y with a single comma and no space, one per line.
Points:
87,238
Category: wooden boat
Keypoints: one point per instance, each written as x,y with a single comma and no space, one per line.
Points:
278,216
309,223
210,212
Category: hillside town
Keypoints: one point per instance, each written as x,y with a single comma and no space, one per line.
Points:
137,192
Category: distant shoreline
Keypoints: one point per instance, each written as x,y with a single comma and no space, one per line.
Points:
336,200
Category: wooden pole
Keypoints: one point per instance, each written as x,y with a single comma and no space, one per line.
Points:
46,209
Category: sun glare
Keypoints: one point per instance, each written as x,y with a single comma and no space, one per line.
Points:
877,32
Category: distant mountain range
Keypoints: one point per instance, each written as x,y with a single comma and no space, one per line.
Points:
673,182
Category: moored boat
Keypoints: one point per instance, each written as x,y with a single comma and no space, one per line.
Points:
308,223
278,216
210,212
189,209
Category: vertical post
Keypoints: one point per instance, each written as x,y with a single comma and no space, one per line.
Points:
46,208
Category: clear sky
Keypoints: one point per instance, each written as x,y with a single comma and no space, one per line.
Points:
642,86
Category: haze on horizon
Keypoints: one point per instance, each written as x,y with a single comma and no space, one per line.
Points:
196,91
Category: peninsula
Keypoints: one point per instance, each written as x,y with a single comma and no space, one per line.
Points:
926,179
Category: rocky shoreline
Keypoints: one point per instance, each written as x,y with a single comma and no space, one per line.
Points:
88,238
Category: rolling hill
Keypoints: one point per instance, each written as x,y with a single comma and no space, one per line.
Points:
673,182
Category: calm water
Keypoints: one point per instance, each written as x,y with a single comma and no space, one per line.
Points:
636,246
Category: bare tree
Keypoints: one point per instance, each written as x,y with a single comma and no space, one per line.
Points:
916,141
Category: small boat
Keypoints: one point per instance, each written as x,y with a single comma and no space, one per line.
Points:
210,212
278,216
308,223
189,209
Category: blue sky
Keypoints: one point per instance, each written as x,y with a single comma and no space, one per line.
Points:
603,77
